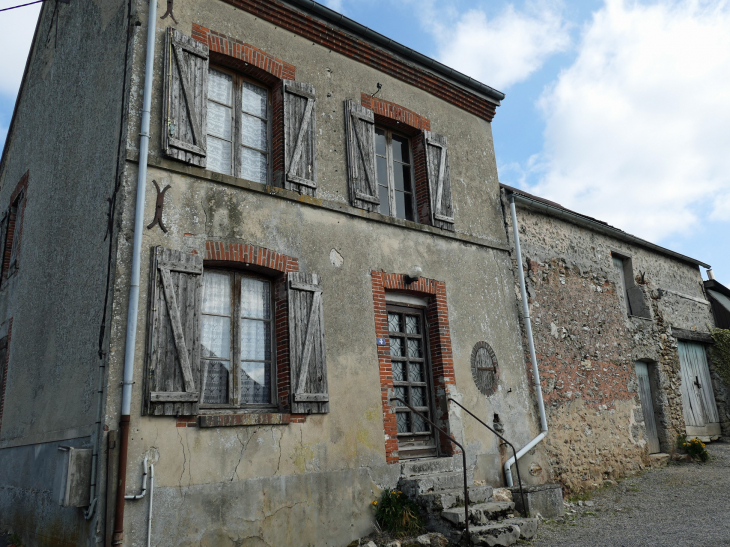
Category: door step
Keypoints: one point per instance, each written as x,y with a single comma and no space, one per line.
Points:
479,514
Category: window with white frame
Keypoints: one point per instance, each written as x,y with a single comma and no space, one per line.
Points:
394,174
238,133
237,340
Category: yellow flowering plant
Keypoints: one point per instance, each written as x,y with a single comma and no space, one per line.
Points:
694,447
396,514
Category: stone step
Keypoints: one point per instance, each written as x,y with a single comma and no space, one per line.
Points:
527,526
479,514
417,485
429,466
446,499
501,534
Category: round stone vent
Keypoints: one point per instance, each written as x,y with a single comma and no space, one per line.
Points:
484,368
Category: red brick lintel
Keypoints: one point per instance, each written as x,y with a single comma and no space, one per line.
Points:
395,112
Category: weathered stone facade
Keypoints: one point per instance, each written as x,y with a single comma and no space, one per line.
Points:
586,343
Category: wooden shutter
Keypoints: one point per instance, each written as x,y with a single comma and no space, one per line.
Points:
306,345
637,302
361,173
174,333
185,98
439,181
300,145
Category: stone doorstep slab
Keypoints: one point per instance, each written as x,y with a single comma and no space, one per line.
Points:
495,534
527,526
446,499
479,514
658,460
422,484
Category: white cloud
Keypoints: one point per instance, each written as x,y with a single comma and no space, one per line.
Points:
503,50
637,128
18,26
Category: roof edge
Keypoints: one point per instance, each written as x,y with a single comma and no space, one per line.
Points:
581,220
369,34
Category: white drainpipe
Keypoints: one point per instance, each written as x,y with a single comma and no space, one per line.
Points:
528,327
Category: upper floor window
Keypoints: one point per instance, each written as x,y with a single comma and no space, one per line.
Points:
394,174
236,340
238,127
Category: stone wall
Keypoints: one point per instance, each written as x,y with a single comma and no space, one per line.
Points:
587,344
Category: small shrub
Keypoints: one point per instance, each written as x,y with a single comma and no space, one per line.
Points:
694,447
398,515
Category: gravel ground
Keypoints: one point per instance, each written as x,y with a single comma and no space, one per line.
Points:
683,504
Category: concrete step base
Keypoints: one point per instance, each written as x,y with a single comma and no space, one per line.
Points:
418,485
528,527
658,460
429,466
479,514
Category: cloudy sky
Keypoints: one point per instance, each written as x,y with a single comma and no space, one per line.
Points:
618,109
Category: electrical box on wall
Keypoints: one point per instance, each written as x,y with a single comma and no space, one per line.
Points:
73,477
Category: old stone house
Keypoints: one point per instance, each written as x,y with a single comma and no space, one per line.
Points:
621,328
234,233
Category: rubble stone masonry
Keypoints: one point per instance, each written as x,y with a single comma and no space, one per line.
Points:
587,345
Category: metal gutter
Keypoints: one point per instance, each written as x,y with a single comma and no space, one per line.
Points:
367,33
580,220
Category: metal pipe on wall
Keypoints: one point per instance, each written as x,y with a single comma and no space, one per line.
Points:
133,304
533,357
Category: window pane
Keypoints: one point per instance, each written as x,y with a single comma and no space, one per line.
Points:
409,206
400,392
219,156
254,99
419,424
216,293
396,347
400,149
216,382
253,165
402,177
394,322
255,298
220,87
399,371
400,205
219,120
418,396
216,336
416,372
379,142
403,419
255,340
414,348
253,132
384,206
255,383
382,171
412,324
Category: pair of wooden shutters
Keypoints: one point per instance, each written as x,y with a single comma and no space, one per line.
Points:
361,166
174,346
185,105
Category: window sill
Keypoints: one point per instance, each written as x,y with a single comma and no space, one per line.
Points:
343,208
248,418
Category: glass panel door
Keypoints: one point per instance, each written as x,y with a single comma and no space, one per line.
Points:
411,381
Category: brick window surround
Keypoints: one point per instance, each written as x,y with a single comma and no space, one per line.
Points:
412,125
439,338
15,223
275,265
246,59
5,354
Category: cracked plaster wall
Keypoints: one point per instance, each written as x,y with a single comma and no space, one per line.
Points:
313,482
586,345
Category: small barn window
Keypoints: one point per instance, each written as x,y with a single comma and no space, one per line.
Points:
394,174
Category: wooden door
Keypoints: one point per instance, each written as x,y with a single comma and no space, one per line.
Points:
411,381
698,398
647,406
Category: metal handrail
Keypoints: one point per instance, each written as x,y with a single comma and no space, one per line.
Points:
519,480
463,455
